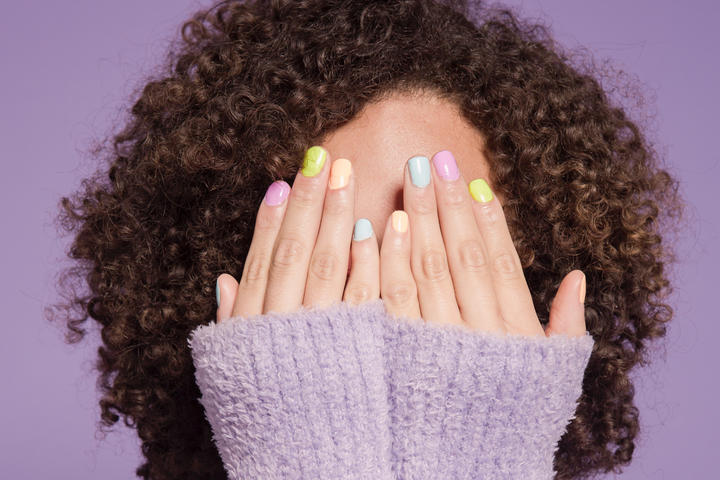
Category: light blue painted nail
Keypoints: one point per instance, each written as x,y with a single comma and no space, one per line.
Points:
419,171
217,293
363,230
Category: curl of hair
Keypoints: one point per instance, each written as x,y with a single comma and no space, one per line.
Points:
250,86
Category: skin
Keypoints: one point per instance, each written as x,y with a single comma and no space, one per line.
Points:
456,262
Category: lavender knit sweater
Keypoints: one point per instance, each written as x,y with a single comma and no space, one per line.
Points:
349,392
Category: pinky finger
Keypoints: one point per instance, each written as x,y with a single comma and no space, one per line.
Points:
397,284
364,282
226,288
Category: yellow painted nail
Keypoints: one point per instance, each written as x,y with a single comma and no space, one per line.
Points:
400,221
480,190
313,162
340,173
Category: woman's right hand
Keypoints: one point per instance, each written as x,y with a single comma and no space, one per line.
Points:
300,247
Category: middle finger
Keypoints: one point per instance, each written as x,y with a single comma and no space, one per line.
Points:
329,262
428,259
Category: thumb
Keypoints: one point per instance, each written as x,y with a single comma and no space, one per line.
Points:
567,314
226,289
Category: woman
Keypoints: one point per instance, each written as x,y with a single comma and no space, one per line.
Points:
252,87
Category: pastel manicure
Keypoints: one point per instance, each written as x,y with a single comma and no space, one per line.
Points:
446,166
340,173
363,230
399,221
277,193
480,190
313,162
419,171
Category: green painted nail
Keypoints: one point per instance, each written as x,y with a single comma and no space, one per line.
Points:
314,160
480,190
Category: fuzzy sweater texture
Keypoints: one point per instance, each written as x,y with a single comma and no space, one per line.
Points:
353,393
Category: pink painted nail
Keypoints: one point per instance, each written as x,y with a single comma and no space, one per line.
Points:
445,165
277,193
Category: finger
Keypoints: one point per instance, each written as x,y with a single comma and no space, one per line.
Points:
364,282
296,239
397,285
250,296
567,314
513,294
466,251
428,258
226,289
327,272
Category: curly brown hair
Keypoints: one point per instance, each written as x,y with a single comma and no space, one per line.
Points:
250,86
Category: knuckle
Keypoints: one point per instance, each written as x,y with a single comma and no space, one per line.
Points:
472,255
505,266
265,223
490,217
400,294
434,267
358,293
304,196
423,204
454,199
338,205
288,253
325,266
256,272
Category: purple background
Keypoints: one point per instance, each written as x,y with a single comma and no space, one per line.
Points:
65,68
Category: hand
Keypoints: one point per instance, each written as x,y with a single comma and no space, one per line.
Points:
300,247
451,259
462,270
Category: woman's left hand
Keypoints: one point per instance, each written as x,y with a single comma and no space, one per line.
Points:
451,259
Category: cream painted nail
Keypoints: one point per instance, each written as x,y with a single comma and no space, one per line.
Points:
583,287
340,173
400,221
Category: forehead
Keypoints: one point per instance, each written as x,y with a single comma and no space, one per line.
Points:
388,133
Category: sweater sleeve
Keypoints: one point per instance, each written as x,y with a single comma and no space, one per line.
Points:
348,392
469,405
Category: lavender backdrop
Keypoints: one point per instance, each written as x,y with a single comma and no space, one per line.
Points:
65,68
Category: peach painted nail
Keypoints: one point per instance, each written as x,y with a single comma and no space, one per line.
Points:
400,221
340,173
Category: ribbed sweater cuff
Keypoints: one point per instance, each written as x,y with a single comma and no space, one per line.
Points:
348,392
299,395
470,404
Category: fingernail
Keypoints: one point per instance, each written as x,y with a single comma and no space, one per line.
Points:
363,230
340,173
446,166
583,287
480,190
399,221
277,193
419,171
313,162
217,293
